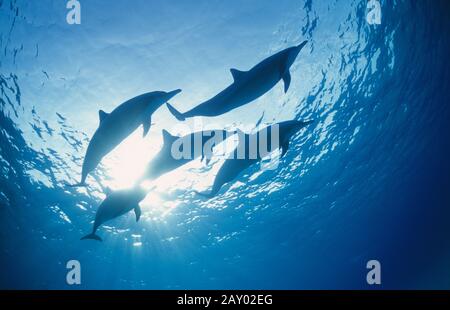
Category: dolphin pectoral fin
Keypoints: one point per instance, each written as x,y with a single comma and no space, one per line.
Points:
286,80
237,74
146,125
138,212
92,236
284,148
179,116
208,158
102,115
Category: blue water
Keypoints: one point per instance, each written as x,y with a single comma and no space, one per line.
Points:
369,180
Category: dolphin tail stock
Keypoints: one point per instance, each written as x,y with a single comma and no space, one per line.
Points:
92,236
179,116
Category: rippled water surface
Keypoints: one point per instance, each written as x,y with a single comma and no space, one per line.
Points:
369,180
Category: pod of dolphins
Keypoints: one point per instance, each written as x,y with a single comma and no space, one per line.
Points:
114,127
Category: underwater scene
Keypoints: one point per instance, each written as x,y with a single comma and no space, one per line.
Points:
210,144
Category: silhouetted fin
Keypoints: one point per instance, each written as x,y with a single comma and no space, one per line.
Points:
138,212
179,116
286,80
146,124
284,148
207,195
167,137
102,115
237,74
207,159
81,184
92,236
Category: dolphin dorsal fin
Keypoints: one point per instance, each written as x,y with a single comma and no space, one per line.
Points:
237,74
102,115
167,137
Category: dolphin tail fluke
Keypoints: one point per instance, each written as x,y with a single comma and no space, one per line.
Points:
301,45
206,195
81,184
92,236
179,116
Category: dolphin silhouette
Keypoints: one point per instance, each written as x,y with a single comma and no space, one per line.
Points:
198,144
232,167
247,86
116,204
120,123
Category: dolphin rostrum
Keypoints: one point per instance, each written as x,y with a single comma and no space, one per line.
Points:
177,151
116,204
120,123
232,167
247,85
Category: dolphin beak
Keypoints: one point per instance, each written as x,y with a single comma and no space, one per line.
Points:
295,51
301,45
172,93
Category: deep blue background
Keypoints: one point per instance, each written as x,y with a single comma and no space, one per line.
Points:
370,180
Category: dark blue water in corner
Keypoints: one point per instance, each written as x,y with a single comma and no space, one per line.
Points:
370,179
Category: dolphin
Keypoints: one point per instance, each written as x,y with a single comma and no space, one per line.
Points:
247,85
232,167
116,204
120,123
197,144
